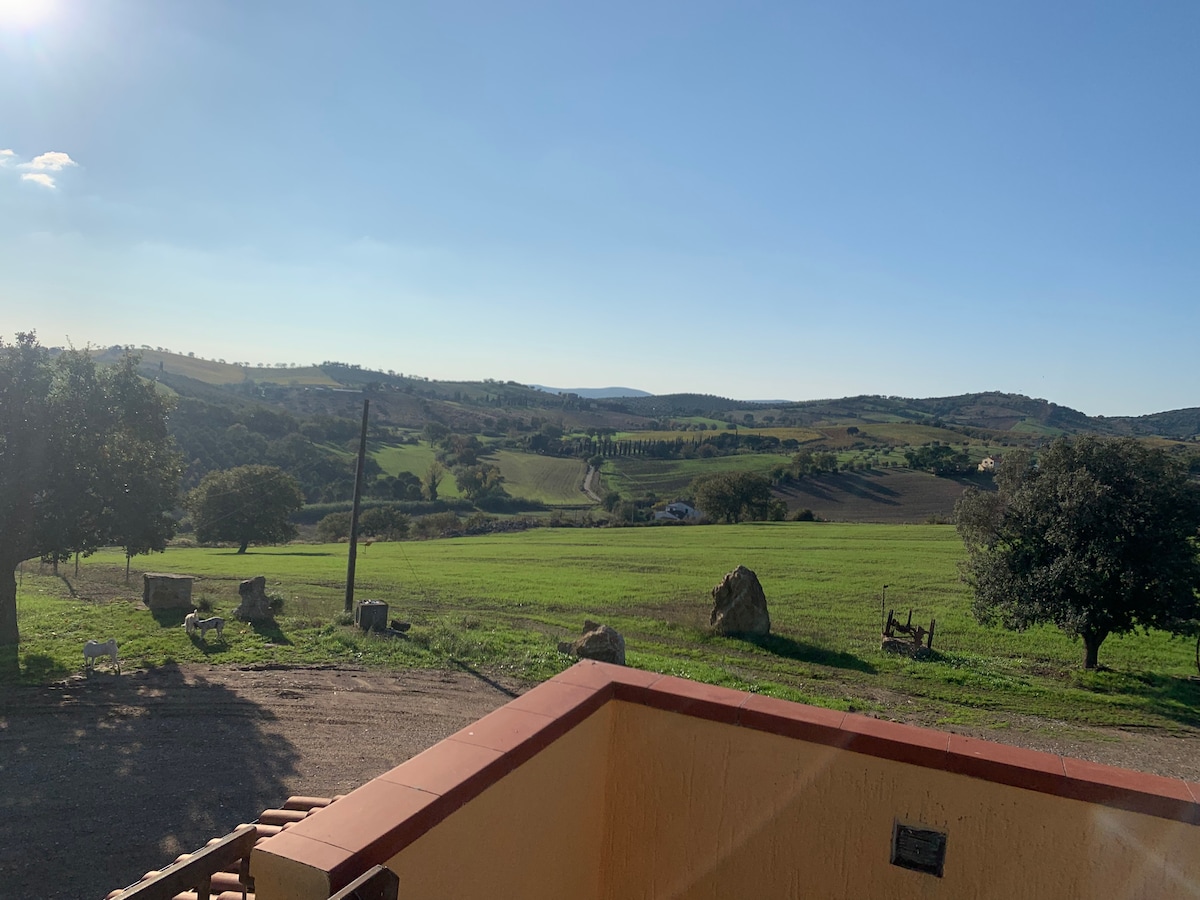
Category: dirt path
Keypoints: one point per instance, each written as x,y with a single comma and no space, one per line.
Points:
588,480
103,781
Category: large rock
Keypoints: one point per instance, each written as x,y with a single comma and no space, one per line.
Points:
161,590
739,605
599,642
255,605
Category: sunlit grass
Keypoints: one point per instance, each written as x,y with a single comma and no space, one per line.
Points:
503,602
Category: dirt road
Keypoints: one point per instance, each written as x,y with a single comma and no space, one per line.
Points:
104,779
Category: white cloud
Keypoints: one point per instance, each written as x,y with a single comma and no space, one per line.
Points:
54,161
5,155
44,180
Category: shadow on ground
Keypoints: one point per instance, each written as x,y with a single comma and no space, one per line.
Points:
272,632
126,771
1174,697
781,645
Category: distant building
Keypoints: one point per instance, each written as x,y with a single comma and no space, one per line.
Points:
987,464
678,512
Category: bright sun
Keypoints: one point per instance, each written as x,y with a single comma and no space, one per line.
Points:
25,13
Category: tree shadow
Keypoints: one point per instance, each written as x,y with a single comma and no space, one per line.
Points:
42,667
250,553
125,773
1174,697
10,664
781,645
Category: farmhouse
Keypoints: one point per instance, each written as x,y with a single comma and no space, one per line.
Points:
678,512
613,782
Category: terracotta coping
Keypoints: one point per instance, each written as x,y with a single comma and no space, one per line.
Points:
375,822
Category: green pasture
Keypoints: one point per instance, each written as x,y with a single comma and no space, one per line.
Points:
551,480
415,458
633,475
502,602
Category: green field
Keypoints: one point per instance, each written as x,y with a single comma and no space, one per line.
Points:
552,480
633,475
555,481
501,603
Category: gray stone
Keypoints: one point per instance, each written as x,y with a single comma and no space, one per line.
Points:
598,642
255,605
163,590
740,606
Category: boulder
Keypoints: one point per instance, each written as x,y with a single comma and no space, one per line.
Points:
739,605
161,590
255,605
598,642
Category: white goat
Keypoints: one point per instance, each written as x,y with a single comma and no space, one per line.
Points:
214,622
92,650
189,623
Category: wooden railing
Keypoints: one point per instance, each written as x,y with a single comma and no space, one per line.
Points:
196,872
379,883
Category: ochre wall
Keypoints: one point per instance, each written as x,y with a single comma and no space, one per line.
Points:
536,833
697,809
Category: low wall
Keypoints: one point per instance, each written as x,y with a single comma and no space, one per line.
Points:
607,782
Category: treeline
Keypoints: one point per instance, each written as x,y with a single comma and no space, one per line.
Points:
721,443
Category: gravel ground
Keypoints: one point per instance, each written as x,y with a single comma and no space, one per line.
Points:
102,780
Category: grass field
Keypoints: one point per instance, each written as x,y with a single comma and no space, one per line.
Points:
503,602
633,475
551,480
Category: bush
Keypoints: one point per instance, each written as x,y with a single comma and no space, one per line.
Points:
386,522
334,527
435,525
804,515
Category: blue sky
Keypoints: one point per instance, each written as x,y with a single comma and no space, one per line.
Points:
760,200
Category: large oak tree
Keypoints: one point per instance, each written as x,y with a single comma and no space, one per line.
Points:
85,460
1097,536
245,505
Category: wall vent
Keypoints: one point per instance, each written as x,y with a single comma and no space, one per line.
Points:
919,849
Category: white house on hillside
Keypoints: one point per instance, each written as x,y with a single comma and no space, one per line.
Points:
678,512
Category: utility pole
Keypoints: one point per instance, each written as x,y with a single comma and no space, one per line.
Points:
358,479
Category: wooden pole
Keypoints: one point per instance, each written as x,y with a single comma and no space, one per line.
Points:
358,479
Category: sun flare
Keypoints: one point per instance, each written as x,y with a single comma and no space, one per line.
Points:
25,13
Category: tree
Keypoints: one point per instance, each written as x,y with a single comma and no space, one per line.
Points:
732,496
475,482
247,505
85,460
433,477
1097,536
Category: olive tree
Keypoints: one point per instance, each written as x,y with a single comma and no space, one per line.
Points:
1097,536
85,460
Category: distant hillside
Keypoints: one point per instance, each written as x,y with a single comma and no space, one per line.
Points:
594,393
482,404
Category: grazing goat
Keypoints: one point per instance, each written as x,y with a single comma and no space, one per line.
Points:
94,649
214,622
189,623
